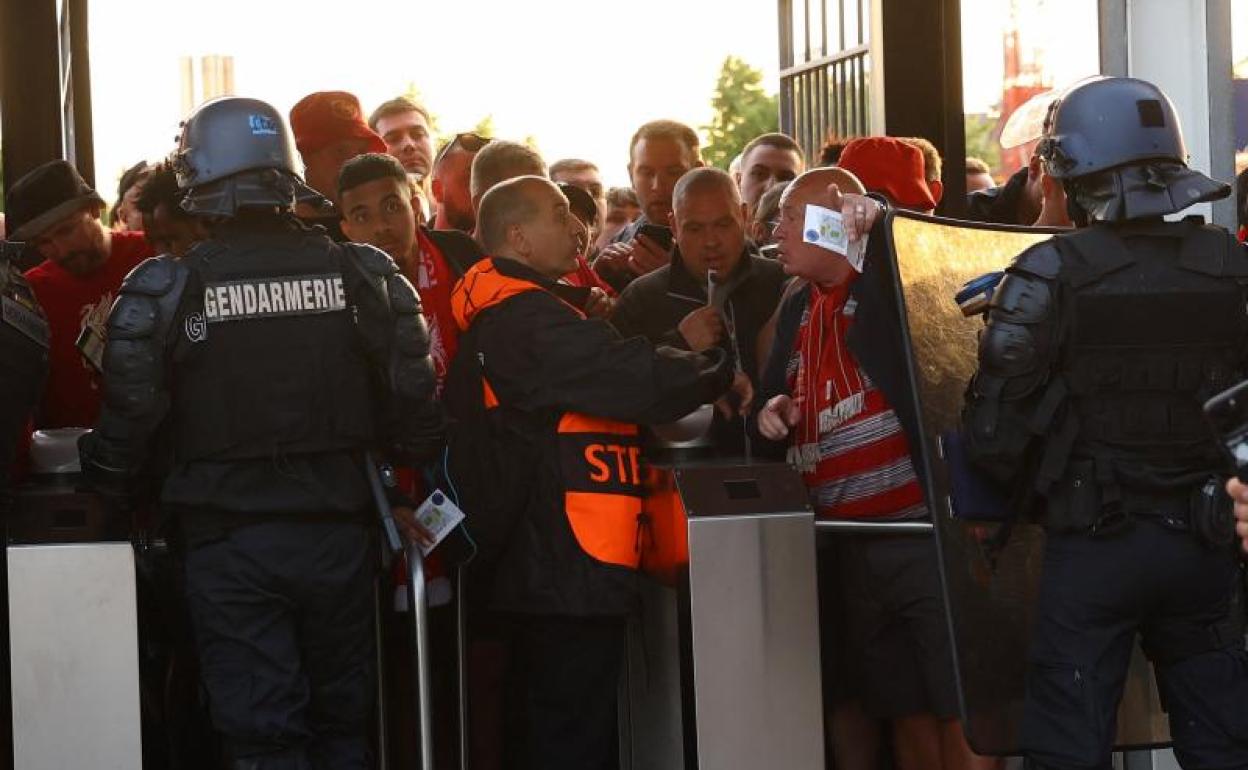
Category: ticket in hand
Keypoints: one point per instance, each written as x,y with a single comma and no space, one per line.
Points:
439,516
826,229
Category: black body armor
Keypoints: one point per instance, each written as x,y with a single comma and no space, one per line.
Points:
1100,349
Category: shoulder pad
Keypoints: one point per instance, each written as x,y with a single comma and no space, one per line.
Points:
1043,260
1213,251
1007,350
134,316
1022,298
372,259
153,277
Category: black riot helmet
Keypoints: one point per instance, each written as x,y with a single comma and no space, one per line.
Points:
1116,145
1101,123
235,153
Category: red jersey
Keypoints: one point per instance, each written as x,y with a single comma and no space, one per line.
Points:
849,442
72,398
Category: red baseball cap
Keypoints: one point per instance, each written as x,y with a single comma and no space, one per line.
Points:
891,167
325,117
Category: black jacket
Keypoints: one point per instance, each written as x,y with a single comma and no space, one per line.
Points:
653,305
543,360
998,204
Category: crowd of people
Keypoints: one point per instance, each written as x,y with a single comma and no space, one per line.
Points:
479,318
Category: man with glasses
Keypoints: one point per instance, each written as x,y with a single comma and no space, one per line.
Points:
452,171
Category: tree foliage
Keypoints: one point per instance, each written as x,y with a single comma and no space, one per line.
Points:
981,139
743,110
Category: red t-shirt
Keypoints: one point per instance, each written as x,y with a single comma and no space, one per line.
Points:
72,398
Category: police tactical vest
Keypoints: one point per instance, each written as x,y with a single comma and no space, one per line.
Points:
270,364
1155,323
599,459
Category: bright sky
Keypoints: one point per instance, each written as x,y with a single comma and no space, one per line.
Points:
574,76
579,76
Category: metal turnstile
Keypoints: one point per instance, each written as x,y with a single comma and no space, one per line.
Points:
723,671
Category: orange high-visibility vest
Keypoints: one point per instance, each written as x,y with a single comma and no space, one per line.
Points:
600,459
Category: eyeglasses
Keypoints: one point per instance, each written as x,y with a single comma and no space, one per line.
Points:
471,142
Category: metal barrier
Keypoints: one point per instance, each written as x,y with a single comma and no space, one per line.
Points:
895,527
461,659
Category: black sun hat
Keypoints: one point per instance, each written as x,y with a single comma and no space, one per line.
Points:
45,196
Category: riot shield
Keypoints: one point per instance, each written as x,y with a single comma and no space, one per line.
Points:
990,561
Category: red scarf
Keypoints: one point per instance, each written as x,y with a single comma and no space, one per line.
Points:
829,389
431,275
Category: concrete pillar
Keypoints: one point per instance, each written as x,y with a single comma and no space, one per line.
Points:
1184,46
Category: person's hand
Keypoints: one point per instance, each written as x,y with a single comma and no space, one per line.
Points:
702,329
1238,491
614,256
599,304
412,530
858,212
744,390
647,256
778,417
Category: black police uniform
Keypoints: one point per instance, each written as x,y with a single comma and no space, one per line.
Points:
24,339
1100,348
274,358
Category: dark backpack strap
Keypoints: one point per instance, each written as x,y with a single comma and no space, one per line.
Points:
458,249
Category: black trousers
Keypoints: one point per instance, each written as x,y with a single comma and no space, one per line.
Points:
560,704
1096,594
283,619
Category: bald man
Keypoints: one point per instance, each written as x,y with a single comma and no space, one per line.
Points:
564,397
836,405
670,306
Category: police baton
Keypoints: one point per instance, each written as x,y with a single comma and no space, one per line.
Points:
379,480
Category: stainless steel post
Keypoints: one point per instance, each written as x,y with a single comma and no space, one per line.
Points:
461,661
420,635
383,742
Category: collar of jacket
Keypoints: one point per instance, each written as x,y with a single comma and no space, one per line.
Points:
569,295
682,285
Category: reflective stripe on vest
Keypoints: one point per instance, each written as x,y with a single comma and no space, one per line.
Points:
602,479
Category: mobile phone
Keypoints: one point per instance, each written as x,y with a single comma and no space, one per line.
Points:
1227,412
658,233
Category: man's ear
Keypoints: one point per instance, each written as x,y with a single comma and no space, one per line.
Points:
1034,167
436,187
518,240
938,189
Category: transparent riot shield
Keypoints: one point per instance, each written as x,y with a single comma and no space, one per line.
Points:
990,561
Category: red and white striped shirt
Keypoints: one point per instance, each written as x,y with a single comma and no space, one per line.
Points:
848,442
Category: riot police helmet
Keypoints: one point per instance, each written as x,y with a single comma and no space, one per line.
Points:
1117,147
1105,122
235,152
